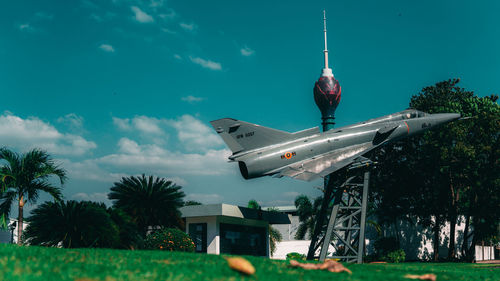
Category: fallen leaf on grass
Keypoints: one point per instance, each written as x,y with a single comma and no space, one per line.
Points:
329,265
429,276
241,265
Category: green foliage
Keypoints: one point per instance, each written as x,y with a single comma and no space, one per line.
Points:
40,264
446,172
274,237
385,245
129,236
191,203
72,224
169,239
84,224
149,201
295,256
395,256
307,212
23,177
253,204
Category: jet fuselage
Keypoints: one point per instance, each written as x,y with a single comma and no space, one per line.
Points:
313,154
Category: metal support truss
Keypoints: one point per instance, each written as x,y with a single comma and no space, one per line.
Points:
346,225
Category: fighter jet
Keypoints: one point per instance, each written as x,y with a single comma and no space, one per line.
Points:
308,154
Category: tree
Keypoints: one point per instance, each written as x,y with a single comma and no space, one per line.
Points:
72,224
274,235
149,201
23,177
307,212
445,172
191,203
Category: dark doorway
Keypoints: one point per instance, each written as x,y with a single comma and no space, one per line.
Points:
198,232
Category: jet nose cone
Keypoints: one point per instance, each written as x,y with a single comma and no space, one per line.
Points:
442,118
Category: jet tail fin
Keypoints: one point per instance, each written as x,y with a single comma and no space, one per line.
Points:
241,136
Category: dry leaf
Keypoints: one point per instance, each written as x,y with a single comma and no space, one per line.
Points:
429,276
329,265
241,265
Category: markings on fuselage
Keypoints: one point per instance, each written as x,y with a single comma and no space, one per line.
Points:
425,125
246,135
288,155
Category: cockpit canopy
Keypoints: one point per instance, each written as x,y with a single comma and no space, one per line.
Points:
413,113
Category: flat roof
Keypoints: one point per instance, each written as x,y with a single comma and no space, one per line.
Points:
290,208
234,211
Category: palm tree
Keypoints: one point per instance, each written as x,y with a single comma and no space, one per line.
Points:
23,177
149,201
72,224
307,212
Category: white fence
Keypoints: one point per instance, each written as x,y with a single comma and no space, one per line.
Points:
485,253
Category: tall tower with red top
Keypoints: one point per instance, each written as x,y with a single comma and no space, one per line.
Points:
327,90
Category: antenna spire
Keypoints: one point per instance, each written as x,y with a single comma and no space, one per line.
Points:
326,71
326,46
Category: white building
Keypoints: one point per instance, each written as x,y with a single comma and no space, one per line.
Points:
229,229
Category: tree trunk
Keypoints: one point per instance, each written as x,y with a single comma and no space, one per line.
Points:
451,247
465,245
436,230
453,218
20,220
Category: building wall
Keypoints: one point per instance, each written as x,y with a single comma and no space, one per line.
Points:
288,231
213,243
415,240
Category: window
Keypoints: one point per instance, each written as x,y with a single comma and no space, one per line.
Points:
243,240
198,232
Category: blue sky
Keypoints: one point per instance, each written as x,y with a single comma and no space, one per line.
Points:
124,87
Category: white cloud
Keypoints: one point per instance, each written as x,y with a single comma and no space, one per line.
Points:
205,198
71,120
32,132
107,48
143,124
169,15
26,27
166,30
206,63
177,56
141,16
134,157
96,197
247,51
128,146
188,26
178,181
192,99
89,170
122,124
147,125
194,134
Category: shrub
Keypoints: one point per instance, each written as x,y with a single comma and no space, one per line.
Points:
385,245
396,256
295,256
169,239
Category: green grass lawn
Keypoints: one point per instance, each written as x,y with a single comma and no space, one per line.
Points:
38,263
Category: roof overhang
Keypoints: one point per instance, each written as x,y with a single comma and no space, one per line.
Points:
272,217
